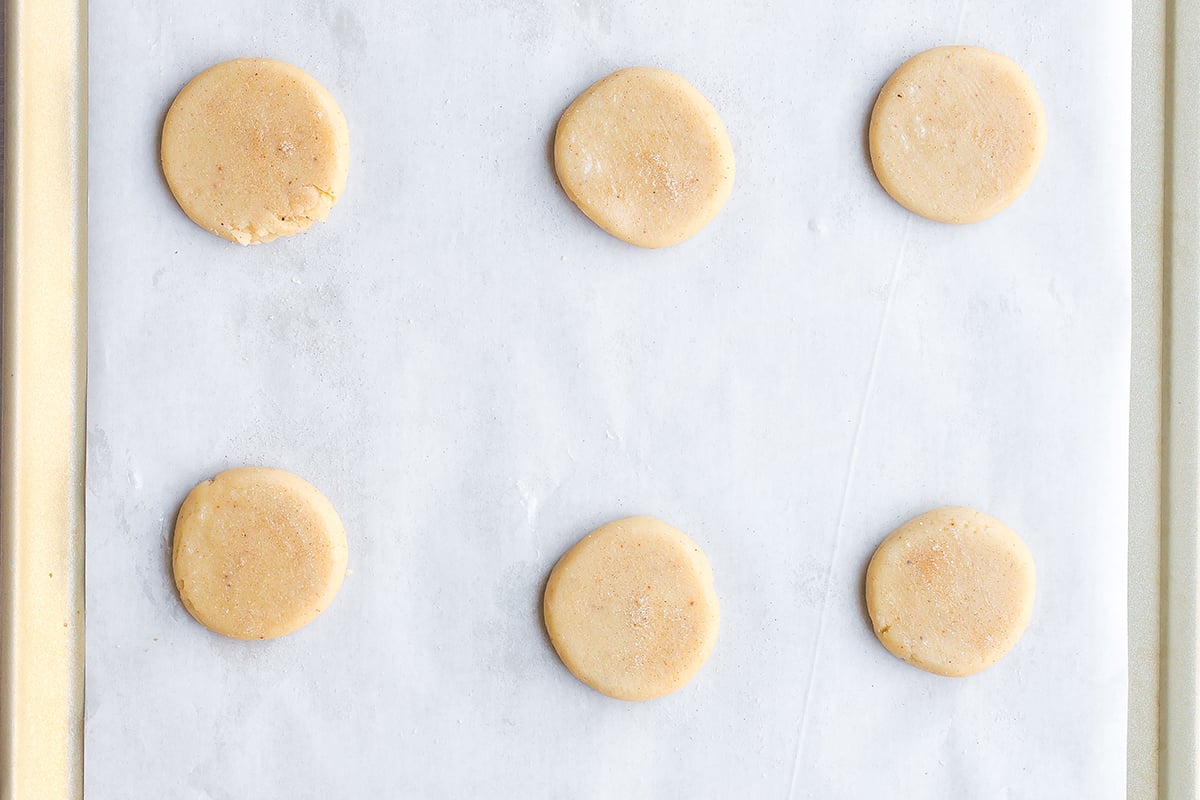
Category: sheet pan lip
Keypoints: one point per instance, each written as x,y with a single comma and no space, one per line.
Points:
42,433
1163,747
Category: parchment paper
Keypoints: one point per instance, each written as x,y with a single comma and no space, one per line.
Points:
476,376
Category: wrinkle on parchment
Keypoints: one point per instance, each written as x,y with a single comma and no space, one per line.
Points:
868,389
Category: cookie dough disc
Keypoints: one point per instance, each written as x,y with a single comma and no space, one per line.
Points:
255,149
645,156
258,553
950,591
631,609
957,134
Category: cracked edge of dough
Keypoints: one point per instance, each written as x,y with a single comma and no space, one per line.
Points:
299,222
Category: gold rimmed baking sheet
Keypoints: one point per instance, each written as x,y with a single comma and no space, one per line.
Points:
41,489
1165,403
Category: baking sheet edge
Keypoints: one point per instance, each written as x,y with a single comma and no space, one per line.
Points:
1165,403
43,400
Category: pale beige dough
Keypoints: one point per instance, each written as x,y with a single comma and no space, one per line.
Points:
631,609
957,134
255,149
645,156
258,553
951,591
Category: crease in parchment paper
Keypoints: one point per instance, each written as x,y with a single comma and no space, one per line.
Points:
868,390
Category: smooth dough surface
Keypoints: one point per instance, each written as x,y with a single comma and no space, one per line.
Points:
631,609
951,591
957,134
258,553
254,149
644,156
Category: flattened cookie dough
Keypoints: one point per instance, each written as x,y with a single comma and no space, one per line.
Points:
645,156
631,609
255,149
957,134
259,553
951,591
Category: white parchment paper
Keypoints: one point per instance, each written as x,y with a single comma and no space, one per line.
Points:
476,376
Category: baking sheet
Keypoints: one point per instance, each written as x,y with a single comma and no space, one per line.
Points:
1154,715
1164,599
42,347
476,376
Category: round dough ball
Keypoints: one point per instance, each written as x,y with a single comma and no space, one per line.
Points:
259,553
957,134
631,609
254,149
950,591
645,156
